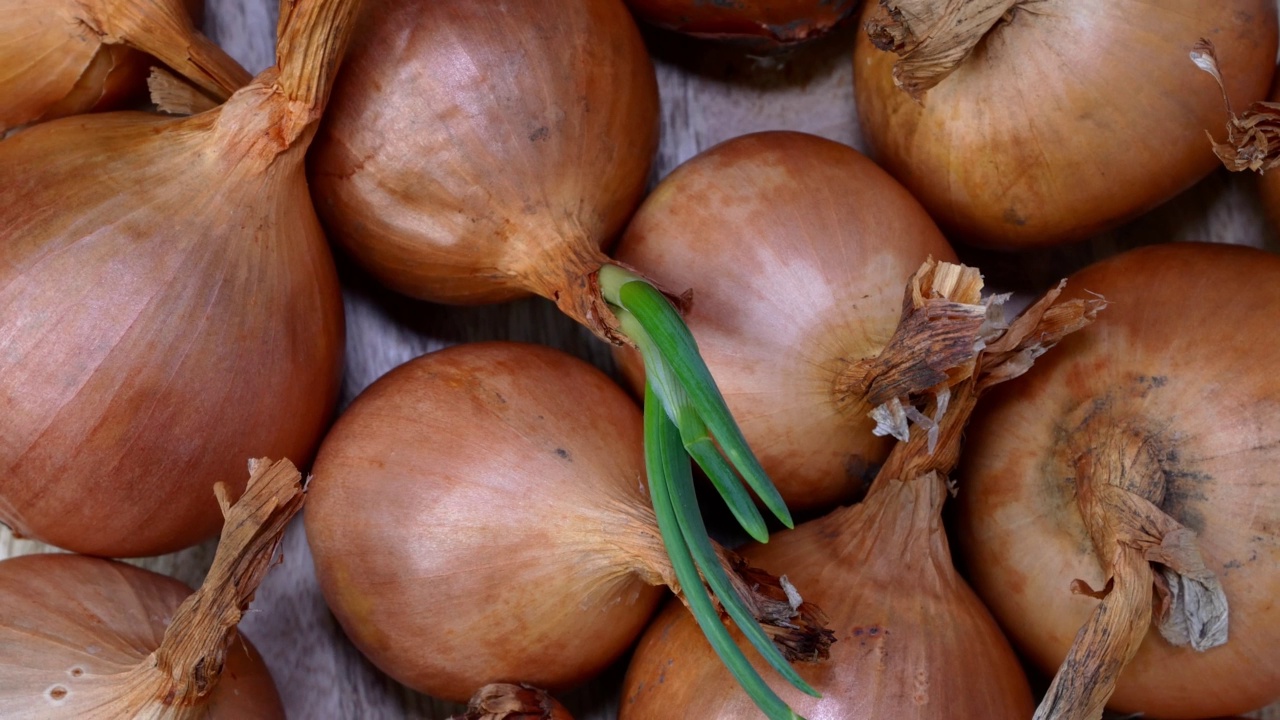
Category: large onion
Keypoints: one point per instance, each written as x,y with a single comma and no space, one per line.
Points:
167,304
795,249
755,24
1055,119
97,639
1172,397
480,514
63,57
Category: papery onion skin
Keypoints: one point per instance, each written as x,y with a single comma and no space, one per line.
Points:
758,25
168,307
472,517
912,640
1184,354
795,249
477,154
1069,119
70,625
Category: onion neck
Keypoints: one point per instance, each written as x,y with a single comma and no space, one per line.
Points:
933,37
566,271
313,36
1253,136
1120,481
186,667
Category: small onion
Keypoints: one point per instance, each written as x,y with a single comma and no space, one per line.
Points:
65,57
758,25
84,637
167,303
795,249
1055,119
1144,446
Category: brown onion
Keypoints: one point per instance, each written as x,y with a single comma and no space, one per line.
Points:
476,153
795,249
912,640
87,638
65,57
755,24
167,304
1145,444
480,514
1050,120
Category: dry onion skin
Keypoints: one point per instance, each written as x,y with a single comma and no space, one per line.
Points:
1137,463
794,249
96,639
1040,122
501,486
912,640
65,57
168,303
510,701
757,25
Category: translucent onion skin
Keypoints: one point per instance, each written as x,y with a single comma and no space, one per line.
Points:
758,25
476,153
1068,120
475,516
70,626
912,640
795,249
1185,354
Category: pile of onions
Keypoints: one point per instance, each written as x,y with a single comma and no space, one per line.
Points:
758,25
65,57
167,303
91,638
480,514
912,640
1030,123
1123,492
795,249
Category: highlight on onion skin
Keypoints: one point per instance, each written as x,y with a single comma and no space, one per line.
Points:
168,305
1172,394
476,154
66,57
757,25
1066,119
794,249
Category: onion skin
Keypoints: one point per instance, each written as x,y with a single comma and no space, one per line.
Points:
758,25
912,640
795,249
168,307
1068,120
476,154
500,486
1182,357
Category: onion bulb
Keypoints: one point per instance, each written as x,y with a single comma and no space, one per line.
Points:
795,249
1020,123
502,487
759,25
65,57
506,701
167,303
91,638
912,640
1118,511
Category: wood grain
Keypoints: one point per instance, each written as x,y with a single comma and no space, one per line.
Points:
708,95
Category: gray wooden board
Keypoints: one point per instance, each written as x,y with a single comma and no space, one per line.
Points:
708,95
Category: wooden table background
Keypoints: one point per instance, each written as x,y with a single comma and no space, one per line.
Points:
708,95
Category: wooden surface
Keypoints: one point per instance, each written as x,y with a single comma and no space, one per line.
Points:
708,95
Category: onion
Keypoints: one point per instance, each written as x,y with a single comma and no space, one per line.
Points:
755,24
479,514
505,701
91,638
167,303
478,153
912,640
1052,120
64,57
795,249
1137,462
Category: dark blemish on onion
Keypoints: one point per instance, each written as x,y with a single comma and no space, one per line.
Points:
873,631
77,672
541,133
563,454
57,693
1012,217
